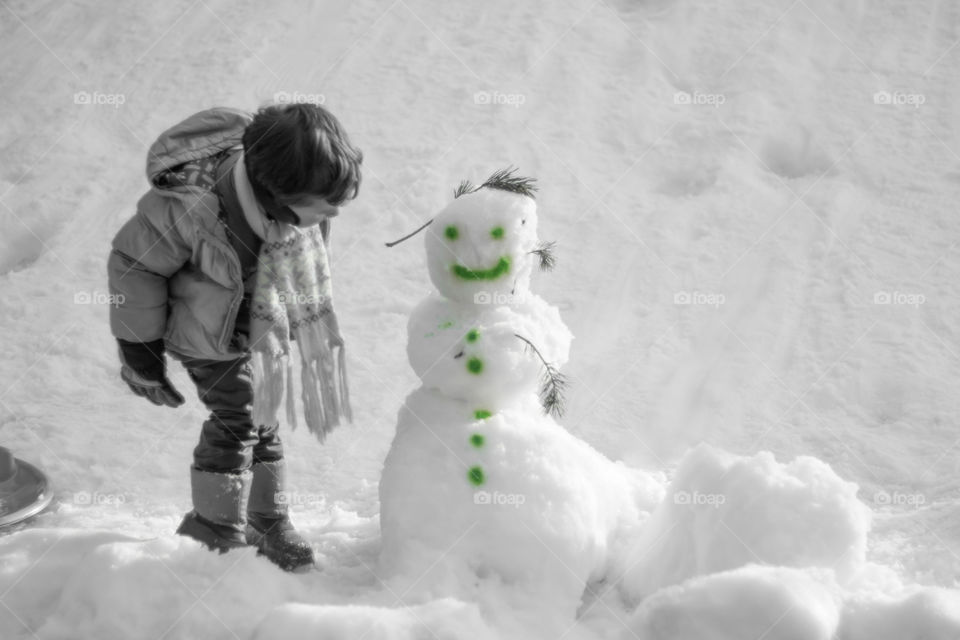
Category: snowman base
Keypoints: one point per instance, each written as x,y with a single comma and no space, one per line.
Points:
540,520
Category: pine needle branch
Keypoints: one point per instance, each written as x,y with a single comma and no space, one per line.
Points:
544,251
551,392
505,180
553,385
465,186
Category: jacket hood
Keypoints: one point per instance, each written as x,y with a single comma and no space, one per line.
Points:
202,134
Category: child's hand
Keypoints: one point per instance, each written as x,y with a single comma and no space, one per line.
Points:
158,392
145,372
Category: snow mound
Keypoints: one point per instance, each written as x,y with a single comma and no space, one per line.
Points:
929,613
445,619
746,547
170,585
784,603
723,511
35,562
774,603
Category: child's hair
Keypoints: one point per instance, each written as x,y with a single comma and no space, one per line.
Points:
300,150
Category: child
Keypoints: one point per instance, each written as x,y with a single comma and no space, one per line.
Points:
223,264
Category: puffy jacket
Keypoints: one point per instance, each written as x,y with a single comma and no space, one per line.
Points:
171,264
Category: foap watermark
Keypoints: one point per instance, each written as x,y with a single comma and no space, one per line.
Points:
294,97
298,298
98,297
499,499
699,298
498,298
899,98
899,298
95,498
699,98
495,97
698,499
298,499
897,499
97,98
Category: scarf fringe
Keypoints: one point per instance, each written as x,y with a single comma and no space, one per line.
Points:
325,392
291,405
326,398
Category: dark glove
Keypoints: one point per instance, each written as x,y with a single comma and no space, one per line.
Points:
145,372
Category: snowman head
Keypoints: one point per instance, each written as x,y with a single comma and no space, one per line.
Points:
473,353
480,247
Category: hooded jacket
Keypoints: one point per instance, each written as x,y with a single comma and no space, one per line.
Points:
171,265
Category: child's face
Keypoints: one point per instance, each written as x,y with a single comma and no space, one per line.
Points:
313,210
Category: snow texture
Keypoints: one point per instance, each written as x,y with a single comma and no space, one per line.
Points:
754,205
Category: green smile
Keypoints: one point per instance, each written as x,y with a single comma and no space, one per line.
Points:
502,267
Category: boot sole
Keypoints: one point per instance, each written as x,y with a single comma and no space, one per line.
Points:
257,539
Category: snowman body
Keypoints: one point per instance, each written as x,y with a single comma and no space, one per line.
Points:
479,484
541,521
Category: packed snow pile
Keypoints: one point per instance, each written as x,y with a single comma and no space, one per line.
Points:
775,603
724,511
745,547
118,589
911,613
444,619
783,603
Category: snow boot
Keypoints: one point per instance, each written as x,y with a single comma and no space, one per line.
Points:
268,519
219,515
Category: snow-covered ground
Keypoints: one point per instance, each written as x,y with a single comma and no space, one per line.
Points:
753,205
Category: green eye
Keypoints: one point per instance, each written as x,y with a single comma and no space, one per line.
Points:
451,232
496,233
472,335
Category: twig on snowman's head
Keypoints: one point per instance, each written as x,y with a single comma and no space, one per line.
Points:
411,234
504,180
544,251
553,385
465,186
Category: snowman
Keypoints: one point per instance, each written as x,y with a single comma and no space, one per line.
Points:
482,490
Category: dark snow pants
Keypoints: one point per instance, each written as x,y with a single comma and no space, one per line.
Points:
229,441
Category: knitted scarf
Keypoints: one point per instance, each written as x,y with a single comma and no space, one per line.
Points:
293,298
